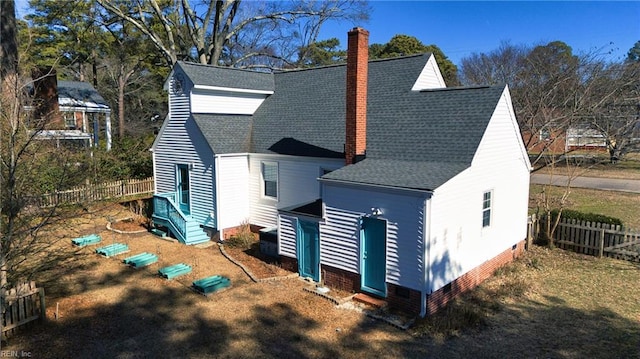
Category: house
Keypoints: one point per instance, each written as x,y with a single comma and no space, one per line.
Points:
559,139
375,176
79,115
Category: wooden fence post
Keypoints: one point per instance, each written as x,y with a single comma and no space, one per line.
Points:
530,228
601,249
43,308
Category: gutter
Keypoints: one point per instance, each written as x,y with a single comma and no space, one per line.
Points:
231,89
426,257
216,213
364,184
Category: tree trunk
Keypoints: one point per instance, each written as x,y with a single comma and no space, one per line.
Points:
9,43
122,81
8,78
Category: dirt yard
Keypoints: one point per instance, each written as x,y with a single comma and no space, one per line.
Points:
99,308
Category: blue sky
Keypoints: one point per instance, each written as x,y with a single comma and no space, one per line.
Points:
461,28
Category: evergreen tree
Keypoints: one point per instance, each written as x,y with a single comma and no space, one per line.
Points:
402,45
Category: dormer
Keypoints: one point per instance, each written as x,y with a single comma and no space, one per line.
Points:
220,90
430,78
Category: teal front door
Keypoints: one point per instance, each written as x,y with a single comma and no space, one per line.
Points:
373,254
309,250
183,188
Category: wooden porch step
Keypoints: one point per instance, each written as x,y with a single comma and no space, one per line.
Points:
211,284
369,300
158,232
87,240
113,249
141,260
175,270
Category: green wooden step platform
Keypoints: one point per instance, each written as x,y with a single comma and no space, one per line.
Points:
211,284
113,249
86,240
141,260
175,270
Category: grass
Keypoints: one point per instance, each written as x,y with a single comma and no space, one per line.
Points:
621,205
549,303
625,169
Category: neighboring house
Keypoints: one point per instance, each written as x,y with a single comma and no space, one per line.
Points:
376,177
79,115
557,140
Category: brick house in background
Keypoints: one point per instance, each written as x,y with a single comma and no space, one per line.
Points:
76,113
373,175
576,137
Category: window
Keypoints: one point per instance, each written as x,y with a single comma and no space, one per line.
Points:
70,120
545,135
486,209
270,179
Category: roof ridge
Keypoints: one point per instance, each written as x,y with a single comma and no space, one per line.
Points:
197,64
345,64
461,88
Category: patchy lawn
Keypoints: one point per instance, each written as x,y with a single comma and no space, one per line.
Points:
622,205
549,304
626,169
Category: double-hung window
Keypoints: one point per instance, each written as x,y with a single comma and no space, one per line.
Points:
486,209
270,179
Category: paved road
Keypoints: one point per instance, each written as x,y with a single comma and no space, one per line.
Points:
607,184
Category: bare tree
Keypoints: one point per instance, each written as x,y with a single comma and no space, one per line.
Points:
614,110
29,166
211,32
500,66
8,82
556,92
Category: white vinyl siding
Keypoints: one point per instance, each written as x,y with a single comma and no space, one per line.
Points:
287,236
297,184
225,102
458,241
233,186
174,146
430,77
404,213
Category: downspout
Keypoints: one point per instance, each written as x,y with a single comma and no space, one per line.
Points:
426,256
216,212
155,173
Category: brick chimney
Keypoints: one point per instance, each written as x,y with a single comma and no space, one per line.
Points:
356,101
45,86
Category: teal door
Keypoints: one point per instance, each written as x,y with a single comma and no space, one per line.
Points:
373,254
309,250
183,188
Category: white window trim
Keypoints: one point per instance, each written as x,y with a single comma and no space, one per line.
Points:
490,208
262,180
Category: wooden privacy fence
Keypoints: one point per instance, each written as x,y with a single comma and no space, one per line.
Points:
99,192
597,239
21,305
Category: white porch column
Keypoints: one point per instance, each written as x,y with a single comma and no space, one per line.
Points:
84,121
108,129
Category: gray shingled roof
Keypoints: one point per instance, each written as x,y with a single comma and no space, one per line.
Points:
398,173
414,139
208,75
436,125
308,106
225,133
80,92
421,140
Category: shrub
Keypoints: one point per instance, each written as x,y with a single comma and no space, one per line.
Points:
244,238
588,217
